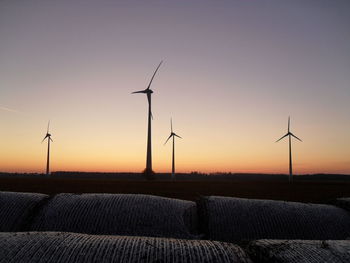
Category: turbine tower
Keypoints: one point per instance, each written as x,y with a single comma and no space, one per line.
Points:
48,136
289,134
172,134
148,92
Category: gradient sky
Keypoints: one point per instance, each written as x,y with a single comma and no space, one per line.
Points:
233,72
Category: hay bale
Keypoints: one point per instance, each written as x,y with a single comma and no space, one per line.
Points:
236,219
17,208
299,251
70,247
343,203
119,214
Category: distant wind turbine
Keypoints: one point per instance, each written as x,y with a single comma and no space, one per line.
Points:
149,92
172,134
289,134
48,136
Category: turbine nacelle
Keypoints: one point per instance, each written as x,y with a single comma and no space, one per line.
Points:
174,134
47,136
289,134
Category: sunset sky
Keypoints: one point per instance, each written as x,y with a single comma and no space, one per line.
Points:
233,72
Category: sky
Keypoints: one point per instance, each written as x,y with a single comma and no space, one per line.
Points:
233,72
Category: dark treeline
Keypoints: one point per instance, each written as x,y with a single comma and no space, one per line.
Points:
187,176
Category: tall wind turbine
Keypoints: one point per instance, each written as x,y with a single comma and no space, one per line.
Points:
289,134
172,134
149,92
48,136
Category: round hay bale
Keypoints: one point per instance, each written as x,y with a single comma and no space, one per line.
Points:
16,209
343,203
236,219
60,247
118,214
299,251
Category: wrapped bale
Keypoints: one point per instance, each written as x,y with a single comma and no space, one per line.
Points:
71,247
236,219
299,251
16,209
119,214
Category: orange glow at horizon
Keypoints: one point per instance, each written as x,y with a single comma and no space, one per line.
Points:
104,155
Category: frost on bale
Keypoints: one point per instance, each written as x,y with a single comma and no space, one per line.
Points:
70,247
17,208
119,214
237,219
300,251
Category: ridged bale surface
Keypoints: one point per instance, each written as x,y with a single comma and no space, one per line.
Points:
71,247
17,208
343,203
118,214
300,251
236,219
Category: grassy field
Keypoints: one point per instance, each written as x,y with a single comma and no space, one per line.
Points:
316,191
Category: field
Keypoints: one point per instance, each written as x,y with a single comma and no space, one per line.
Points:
305,191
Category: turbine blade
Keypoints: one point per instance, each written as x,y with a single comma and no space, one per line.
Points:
171,125
288,123
44,138
149,85
178,136
295,137
282,137
168,139
48,126
51,139
140,91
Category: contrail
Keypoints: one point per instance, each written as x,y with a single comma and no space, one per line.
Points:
9,110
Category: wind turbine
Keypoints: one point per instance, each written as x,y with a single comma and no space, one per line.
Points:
48,136
289,134
172,134
149,92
